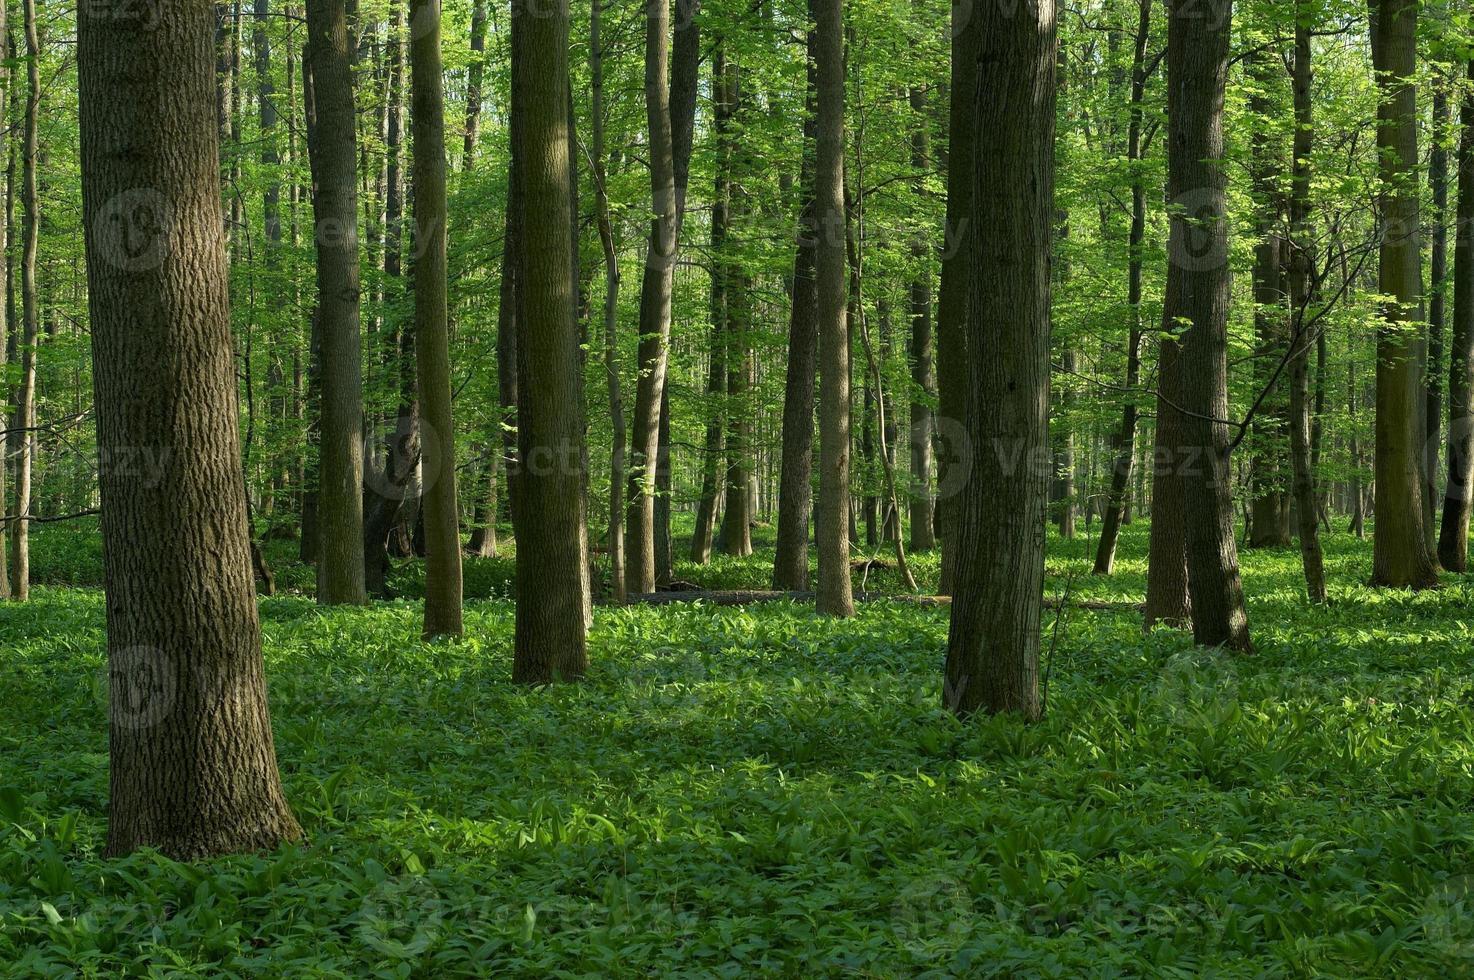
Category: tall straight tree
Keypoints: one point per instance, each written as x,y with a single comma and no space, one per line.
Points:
25,403
7,95
655,300
1307,510
1196,304
795,490
549,502
1400,556
193,769
1453,535
993,644
432,328
836,592
923,354
333,157
1125,439
953,295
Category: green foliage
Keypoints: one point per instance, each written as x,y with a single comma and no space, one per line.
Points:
748,792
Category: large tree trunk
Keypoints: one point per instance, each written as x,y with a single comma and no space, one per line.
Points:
993,644
7,325
1117,502
193,769
835,594
953,297
795,487
333,152
25,402
1198,297
655,301
1307,508
736,531
432,330
1453,537
1400,556
553,601
1166,577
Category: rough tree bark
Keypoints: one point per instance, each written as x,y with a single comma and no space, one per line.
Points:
922,355
835,593
1400,556
993,645
192,765
333,152
553,600
432,329
1197,301
25,402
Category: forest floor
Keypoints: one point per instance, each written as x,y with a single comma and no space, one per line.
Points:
746,792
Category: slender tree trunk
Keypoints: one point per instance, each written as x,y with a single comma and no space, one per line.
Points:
432,329
552,551
333,152
655,301
7,325
1453,537
736,532
20,569
1400,556
1198,297
1433,370
1270,524
922,356
795,481
611,315
193,769
835,596
1117,507
1304,476
474,76
993,644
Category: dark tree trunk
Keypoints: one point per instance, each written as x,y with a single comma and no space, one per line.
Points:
333,152
1453,537
193,768
1117,509
1400,556
1433,370
922,357
953,296
795,480
993,644
439,508
553,601
1198,297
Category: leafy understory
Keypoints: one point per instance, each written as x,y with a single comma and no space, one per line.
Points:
761,792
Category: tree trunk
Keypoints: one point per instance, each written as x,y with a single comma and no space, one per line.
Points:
1270,523
835,594
333,152
615,540
1433,370
736,532
193,769
1453,537
993,644
474,76
432,330
20,567
795,480
1117,510
1197,297
954,294
655,301
1400,556
1307,510
7,325
553,601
